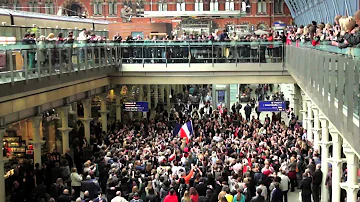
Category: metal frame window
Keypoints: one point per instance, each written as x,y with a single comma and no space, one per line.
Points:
261,6
33,6
199,5
180,6
139,7
245,6
162,5
49,7
214,5
98,7
229,5
278,6
4,3
113,8
16,5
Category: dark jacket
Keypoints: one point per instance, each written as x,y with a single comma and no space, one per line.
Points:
352,39
258,198
65,198
201,189
305,186
91,186
317,177
276,195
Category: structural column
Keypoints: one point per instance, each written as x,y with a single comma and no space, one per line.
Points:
336,162
141,92
325,144
168,93
309,121
118,106
87,118
156,95
64,116
304,111
103,112
351,185
162,89
148,92
37,141
3,160
316,129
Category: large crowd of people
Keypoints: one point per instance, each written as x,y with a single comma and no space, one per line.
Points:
227,158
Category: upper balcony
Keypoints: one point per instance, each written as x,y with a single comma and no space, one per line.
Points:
330,77
28,64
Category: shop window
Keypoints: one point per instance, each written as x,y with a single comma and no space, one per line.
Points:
16,5
261,6
199,5
214,5
229,5
49,7
98,7
113,8
162,6
33,6
180,6
279,6
261,27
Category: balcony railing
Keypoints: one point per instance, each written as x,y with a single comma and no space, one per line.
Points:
22,62
332,82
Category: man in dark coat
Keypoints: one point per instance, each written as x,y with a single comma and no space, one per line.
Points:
305,186
247,110
66,197
316,183
258,197
92,186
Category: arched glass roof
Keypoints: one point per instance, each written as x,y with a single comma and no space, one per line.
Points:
305,11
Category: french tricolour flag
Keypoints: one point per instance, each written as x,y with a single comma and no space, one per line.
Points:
185,131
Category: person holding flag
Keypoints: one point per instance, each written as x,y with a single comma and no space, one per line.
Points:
185,131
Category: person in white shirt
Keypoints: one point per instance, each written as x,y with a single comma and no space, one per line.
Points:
263,188
284,184
119,198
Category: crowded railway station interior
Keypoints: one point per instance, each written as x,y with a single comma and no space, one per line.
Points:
179,100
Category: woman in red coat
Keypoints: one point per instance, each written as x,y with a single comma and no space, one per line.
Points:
171,197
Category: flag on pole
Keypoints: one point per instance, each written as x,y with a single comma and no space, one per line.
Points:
184,131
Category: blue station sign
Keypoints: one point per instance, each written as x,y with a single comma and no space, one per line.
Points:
272,106
136,106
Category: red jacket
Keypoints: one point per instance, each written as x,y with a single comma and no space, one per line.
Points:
171,198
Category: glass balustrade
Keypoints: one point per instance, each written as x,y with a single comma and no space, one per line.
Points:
22,61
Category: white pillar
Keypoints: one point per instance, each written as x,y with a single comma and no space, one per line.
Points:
37,141
309,121
316,129
304,111
325,144
162,89
351,185
336,162
168,101
103,112
87,118
156,95
64,116
148,97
